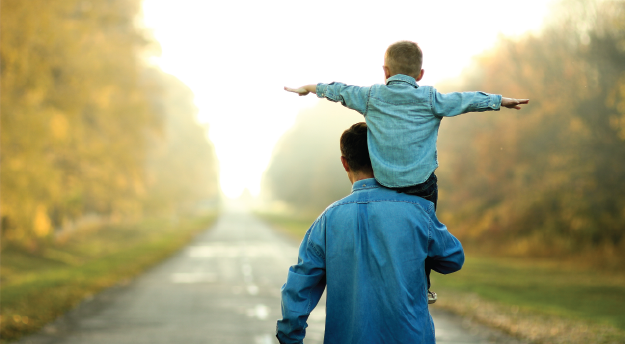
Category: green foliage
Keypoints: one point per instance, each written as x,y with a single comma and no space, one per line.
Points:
38,288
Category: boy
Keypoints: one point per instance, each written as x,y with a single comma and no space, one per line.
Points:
403,120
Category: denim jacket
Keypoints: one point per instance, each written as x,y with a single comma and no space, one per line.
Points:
403,120
369,249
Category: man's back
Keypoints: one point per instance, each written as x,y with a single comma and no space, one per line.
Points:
370,247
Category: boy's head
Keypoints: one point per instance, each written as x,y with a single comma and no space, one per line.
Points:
403,57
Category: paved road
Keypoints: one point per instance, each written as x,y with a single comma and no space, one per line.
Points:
222,288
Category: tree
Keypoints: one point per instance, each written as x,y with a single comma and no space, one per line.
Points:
305,170
181,166
79,118
544,178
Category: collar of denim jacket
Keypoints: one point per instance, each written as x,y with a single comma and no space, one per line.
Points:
402,78
365,184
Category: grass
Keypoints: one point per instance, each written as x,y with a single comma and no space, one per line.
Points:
543,300
36,289
293,225
544,286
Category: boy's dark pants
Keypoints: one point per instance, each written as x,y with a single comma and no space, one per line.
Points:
427,190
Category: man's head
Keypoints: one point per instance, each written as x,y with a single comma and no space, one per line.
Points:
403,57
355,153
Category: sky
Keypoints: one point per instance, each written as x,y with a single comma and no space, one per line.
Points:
236,56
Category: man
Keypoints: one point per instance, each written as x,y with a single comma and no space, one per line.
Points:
369,248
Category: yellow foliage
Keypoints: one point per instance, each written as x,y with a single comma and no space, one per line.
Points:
79,109
103,97
577,127
59,126
549,181
619,121
41,224
60,131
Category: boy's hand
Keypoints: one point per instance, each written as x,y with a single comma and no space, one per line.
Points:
302,91
512,103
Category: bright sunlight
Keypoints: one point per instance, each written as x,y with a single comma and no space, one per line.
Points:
237,56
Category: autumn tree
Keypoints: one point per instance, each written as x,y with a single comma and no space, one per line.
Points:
305,170
545,179
181,168
78,115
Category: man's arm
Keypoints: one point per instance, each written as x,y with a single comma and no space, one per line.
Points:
353,97
304,286
456,103
444,249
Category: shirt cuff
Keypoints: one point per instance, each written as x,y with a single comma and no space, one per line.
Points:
494,101
322,89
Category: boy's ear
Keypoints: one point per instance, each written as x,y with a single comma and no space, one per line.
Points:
387,72
421,75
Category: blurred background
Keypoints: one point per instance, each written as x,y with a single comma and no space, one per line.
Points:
126,123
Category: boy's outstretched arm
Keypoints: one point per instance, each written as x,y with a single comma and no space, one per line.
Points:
512,103
302,91
352,97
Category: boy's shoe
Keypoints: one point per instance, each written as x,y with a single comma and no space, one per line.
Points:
431,297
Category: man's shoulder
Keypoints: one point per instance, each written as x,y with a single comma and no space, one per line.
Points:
380,194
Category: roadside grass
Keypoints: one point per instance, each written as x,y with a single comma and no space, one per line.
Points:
546,286
36,289
543,300
293,225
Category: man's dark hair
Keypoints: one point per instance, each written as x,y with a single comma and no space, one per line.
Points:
354,148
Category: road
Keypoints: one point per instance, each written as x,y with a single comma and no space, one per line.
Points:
222,288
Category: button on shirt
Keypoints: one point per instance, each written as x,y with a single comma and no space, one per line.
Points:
403,120
369,248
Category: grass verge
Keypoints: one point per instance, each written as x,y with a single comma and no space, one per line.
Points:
292,225
542,300
36,289
545,301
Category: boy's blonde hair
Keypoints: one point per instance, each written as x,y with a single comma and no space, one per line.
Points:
404,57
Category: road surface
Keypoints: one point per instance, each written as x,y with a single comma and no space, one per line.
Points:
222,288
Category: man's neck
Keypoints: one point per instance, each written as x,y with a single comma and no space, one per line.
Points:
356,176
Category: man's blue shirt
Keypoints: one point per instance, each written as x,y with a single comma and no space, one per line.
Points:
403,120
370,248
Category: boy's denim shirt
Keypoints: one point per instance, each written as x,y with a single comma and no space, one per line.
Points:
368,250
403,120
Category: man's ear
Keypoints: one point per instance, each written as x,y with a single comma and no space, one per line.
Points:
387,72
421,75
345,165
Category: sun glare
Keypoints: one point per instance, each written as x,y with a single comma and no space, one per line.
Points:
237,56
